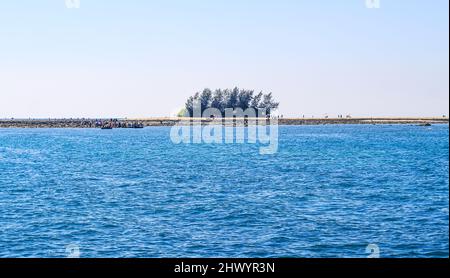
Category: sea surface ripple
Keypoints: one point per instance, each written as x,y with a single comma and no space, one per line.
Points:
330,191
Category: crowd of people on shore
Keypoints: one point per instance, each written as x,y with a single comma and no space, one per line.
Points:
111,123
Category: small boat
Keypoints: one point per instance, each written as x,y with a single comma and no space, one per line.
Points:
137,125
107,127
425,124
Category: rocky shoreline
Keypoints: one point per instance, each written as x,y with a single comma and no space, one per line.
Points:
132,123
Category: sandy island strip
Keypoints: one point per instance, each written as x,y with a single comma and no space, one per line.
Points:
93,123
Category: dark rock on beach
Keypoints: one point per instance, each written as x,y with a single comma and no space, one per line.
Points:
140,123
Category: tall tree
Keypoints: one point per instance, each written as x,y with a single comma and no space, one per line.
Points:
190,106
232,98
205,99
269,104
218,101
244,99
256,101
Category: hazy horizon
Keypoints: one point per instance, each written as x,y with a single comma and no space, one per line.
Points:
135,59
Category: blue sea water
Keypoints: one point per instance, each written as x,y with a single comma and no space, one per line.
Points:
330,191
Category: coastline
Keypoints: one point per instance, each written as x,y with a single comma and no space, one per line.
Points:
155,122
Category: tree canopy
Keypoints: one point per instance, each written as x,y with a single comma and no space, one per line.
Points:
231,98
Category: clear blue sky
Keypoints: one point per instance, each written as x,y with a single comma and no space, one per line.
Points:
142,58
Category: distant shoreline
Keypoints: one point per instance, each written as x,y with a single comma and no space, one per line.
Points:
148,122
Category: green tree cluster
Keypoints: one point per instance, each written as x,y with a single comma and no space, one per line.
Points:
231,98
